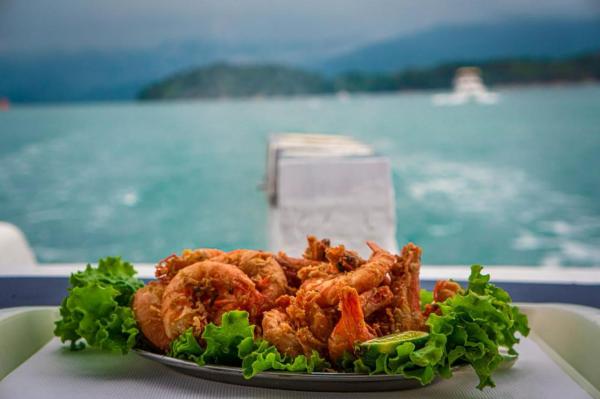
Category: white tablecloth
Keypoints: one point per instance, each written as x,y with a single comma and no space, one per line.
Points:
57,373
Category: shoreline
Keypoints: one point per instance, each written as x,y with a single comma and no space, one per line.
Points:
342,96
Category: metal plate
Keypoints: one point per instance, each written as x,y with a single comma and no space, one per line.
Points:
322,382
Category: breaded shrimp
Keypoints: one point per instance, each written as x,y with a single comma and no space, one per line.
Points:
290,267
343,259
321,270
146,306
316,249
339,257
404,312
167,268
366,277
445,289
305,312
375,299
405,277
202,292
263,270
320,260
278,330
351,328
313,306
311,343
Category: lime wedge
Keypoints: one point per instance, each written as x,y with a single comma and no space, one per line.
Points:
388,343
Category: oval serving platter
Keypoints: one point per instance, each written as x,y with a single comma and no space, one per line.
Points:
323,382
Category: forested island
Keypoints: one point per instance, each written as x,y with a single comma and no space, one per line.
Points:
226,80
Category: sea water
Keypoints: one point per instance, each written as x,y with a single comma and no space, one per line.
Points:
513,183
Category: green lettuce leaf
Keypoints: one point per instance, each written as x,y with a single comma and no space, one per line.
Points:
113,272
417,361
471,329
426,297
233,343
97,308
477,324
222,341
186,347
263,356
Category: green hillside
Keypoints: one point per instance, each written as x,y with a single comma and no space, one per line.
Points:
223,80
498,72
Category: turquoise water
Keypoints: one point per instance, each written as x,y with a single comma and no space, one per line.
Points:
513,183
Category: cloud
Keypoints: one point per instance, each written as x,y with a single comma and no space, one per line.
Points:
39,25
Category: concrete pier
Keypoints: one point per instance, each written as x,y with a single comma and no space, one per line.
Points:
329,186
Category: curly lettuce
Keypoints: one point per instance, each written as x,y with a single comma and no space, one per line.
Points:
425,297
186,347
233,343
97,309
471,329
477,325
222,341
259,356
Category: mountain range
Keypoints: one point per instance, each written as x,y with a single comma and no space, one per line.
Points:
518,38
120,74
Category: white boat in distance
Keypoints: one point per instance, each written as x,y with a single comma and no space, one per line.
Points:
468,86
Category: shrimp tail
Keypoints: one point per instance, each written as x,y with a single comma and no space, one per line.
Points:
351,328
374,247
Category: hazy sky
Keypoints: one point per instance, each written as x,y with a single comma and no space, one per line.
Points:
49,25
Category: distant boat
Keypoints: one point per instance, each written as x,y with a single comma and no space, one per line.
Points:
343,95
468,86
4,104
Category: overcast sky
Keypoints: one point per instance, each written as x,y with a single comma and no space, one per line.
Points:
50,25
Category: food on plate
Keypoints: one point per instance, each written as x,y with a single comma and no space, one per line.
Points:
351,328
329,310
167,268
202,292
146,305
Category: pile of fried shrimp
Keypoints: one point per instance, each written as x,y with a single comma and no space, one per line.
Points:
328,300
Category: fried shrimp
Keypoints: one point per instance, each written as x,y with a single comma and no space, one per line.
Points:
351,328
316,249
290,267
404,312
339,257
406,286
445,289
326,301
286,327
375,299
298,270
202,292
319,261
278,330
319,271
313,309
146,306
366,277
263,270
343,259
405,276
167,268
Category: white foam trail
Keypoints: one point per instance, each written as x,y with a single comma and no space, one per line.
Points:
504,196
